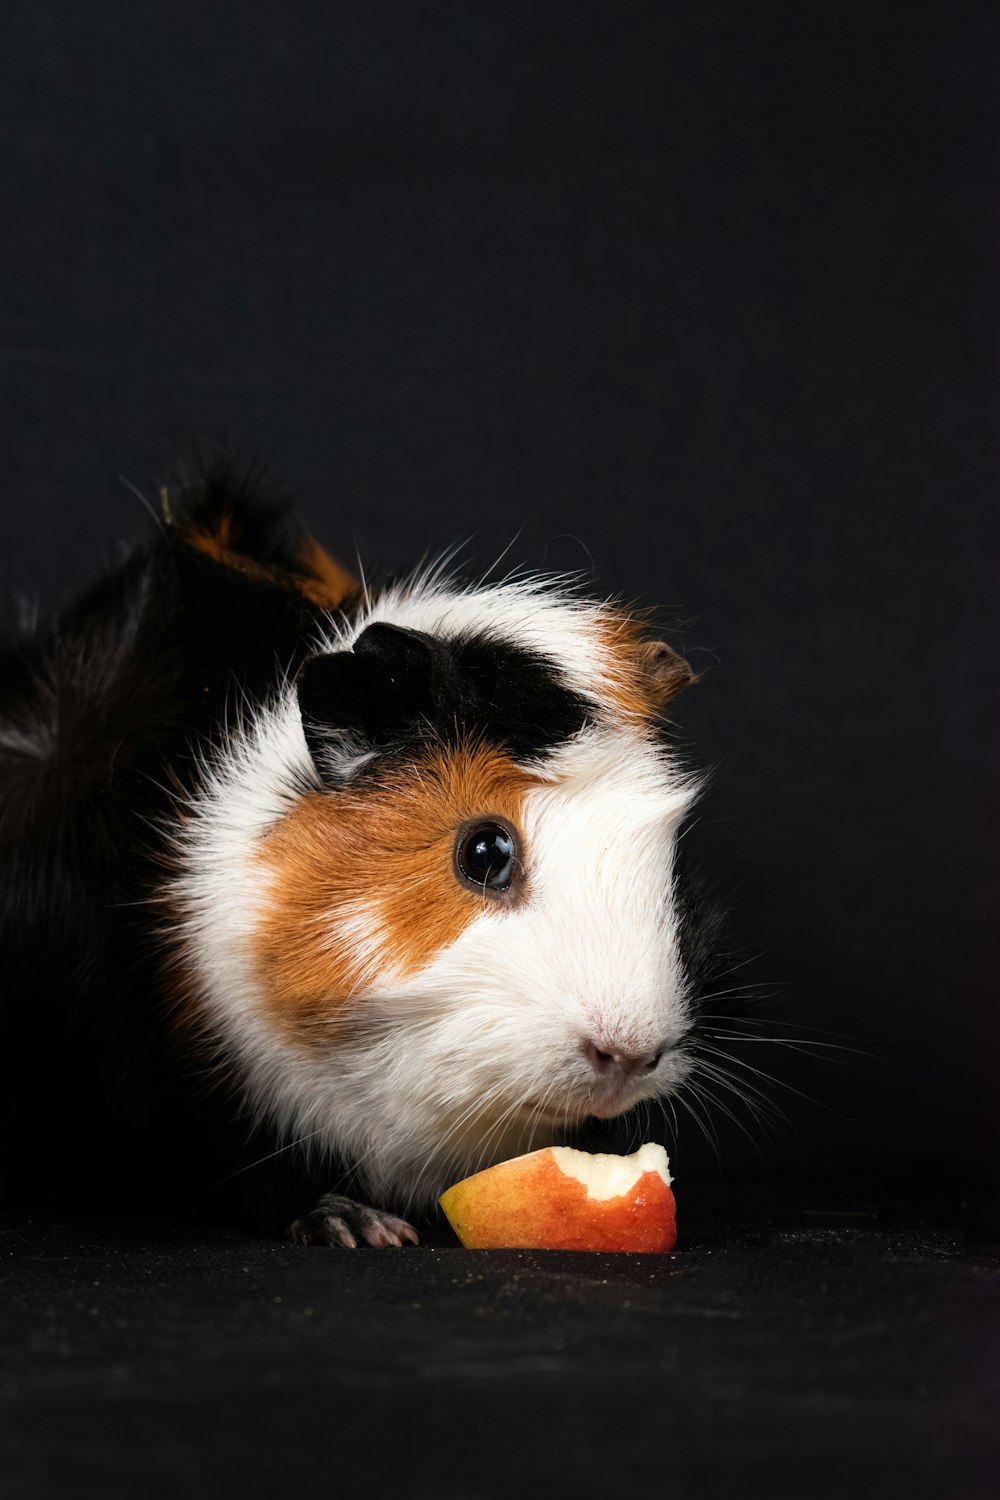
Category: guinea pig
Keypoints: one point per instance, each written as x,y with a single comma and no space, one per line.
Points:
317,898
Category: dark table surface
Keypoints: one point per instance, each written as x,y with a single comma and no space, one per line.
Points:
782,1350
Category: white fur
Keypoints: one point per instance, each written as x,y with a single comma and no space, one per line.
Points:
450,1069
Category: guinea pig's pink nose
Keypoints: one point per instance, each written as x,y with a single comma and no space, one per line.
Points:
622,1063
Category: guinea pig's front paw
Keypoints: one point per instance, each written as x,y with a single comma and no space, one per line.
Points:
340,1221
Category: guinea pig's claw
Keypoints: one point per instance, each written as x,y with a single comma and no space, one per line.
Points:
390,1231
338,1221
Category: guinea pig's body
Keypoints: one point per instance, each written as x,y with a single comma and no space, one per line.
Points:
305,890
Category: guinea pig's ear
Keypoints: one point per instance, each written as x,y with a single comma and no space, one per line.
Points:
370,696
664,673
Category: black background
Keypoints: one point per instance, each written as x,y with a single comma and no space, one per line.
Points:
700,296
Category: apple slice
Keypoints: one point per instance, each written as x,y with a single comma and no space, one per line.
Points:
559,1199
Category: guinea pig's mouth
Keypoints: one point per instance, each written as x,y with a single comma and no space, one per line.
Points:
610,1109
564,1114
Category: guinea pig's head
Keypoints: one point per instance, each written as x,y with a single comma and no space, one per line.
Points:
458,933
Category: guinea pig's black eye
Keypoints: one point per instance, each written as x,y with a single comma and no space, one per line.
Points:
485,855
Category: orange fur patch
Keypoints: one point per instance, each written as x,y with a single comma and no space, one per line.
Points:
643,675
325,581
321,580
379,860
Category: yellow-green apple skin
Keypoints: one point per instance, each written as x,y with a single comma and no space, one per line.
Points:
559,1199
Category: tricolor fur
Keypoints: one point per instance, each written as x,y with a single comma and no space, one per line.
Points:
266,802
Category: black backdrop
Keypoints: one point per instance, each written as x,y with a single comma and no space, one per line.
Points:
699,295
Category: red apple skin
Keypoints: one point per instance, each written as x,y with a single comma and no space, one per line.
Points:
530,1203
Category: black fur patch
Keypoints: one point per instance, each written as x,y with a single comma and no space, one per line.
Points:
701,923
397,688
515,698
101,715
